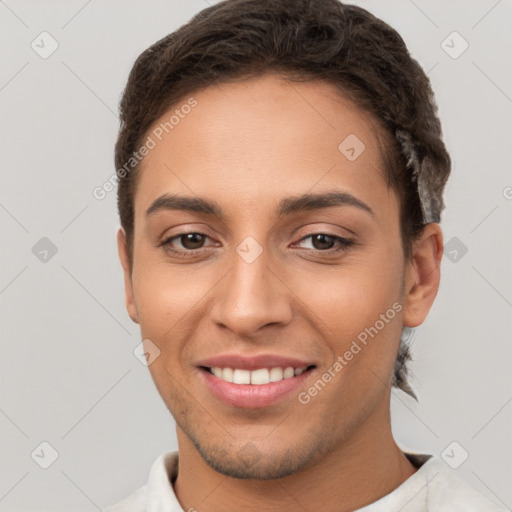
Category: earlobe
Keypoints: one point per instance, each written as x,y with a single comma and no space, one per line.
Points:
423,274
126,263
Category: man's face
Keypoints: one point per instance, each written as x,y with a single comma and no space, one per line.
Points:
269,284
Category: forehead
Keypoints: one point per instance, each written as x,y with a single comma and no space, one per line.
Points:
259,139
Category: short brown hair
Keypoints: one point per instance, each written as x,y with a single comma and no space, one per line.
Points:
344,45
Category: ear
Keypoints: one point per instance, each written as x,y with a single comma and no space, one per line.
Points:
423,273
127,271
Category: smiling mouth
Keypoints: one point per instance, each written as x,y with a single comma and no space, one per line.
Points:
257,377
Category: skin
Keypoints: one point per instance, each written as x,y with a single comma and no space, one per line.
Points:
246,146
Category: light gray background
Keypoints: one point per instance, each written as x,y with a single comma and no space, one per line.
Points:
68,373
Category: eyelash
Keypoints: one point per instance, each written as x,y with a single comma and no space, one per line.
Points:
345,243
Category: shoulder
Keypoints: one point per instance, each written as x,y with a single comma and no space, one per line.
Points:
447,492
433,488
157,489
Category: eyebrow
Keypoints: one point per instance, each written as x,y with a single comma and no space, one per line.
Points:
287,206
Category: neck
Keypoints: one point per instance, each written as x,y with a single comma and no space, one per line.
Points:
338,482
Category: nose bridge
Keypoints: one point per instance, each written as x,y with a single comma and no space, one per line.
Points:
251,295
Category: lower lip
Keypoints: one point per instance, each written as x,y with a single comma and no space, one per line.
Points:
251,396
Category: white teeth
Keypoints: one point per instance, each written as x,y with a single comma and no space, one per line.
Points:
260,376
257,377
227,374
288,372
241,376
276,374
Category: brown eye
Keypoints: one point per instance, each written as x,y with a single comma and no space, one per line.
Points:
192,240
324,242
185,243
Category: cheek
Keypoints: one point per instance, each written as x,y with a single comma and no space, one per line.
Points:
352,295
165,295
167,303
356,307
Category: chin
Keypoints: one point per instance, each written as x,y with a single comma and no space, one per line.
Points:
257,460
249,463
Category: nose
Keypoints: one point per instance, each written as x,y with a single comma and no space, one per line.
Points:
250,297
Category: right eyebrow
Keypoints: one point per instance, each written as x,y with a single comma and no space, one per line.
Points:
191,204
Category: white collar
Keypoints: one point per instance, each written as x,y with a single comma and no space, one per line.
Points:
432,488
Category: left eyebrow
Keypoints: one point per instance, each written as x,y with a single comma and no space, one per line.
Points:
287,206
317,201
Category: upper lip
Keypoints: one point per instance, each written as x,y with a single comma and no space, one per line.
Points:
244,362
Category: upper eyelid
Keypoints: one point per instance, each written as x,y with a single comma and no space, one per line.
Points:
178,235
206,230
168,239
339,238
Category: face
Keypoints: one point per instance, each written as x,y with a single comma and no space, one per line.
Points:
268,255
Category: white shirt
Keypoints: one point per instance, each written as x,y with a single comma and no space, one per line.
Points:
433,488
